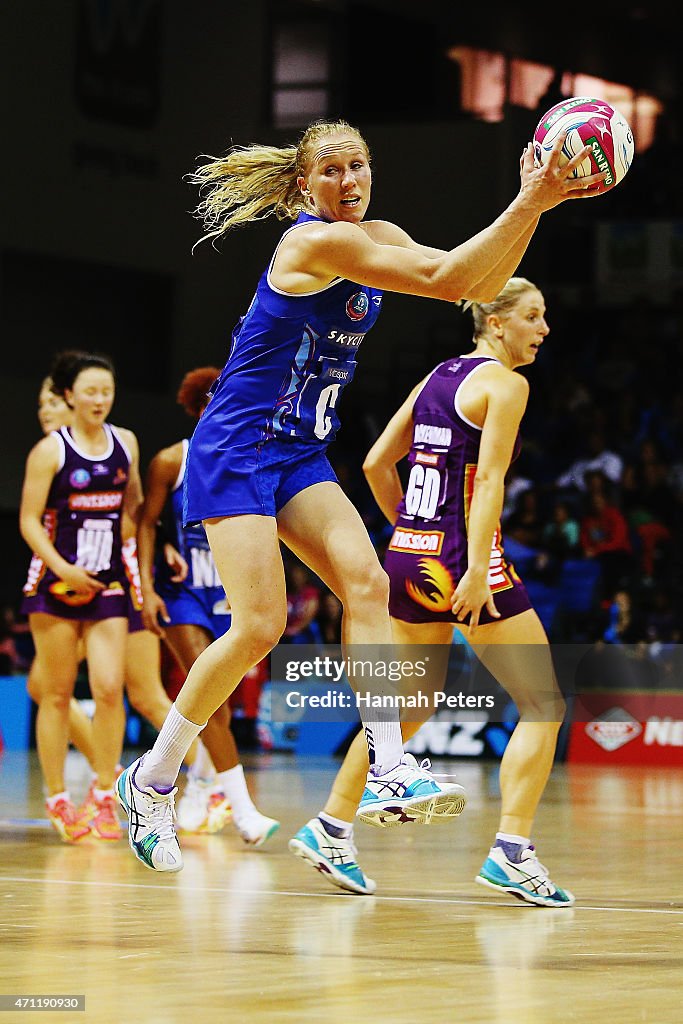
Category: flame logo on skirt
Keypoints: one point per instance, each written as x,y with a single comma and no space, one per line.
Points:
63,592
439,586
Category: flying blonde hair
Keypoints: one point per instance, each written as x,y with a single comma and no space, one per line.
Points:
252,182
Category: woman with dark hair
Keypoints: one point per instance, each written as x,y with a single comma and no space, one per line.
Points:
79,481
143,684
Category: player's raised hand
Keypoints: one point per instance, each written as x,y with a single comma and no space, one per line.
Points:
552,183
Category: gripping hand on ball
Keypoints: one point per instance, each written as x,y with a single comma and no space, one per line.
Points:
554,181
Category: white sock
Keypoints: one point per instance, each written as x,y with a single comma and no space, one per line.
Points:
100,794
202,767
385,746
162,763
508,837
335,827
52,800
234,785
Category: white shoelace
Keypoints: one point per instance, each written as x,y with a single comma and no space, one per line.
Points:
425,769
163,815
533,860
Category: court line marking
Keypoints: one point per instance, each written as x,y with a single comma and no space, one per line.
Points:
20,823
672,911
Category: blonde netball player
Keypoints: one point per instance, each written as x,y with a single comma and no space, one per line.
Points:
459,429
257,470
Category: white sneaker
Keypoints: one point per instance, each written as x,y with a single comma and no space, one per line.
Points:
193,806
151,832
527,880
255,828
409,792
335,859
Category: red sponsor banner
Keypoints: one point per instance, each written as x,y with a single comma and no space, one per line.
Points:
627,728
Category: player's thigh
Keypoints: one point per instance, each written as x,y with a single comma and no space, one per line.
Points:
324,529
105,648
142,661
423,648
56,645
517,653
247,554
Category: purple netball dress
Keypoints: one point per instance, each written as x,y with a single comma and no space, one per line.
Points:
83,520
427,554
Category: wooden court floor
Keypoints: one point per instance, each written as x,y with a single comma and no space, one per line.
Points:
258,936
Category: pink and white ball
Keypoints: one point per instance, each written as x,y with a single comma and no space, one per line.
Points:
588,122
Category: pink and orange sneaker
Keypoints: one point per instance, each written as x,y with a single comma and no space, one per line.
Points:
67,820
219,812
101,815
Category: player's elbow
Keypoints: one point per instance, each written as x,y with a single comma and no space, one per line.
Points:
370,466
491,480
25,524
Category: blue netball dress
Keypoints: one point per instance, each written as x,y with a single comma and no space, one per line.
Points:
200,599
273,411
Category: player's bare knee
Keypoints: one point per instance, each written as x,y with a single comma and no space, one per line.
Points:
56,697
108,695
33,688
548,708
367,587
260,633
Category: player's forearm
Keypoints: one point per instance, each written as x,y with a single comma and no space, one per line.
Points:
146,542
496,251
494,282
484,516
385,484
33,532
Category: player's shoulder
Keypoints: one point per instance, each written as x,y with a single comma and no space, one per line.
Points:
168,460
126,435
321,233
385,232
502,380
48,450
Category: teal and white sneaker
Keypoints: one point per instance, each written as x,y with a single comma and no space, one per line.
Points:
334,858
409,792
527,880
151,831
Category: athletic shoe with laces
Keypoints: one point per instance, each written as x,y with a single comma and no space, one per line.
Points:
255,828
151,831
67,820
409,792
101,815
334,858
527,880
